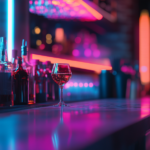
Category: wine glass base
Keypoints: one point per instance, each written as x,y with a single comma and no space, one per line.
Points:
61,104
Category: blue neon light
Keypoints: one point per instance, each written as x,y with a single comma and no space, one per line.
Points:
10,28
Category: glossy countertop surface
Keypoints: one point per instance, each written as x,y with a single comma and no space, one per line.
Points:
75,127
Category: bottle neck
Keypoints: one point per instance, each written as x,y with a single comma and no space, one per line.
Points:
3,55
20,65
14,62
24,58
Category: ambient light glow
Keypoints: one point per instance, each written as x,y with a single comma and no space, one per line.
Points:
73,63
144,47
61,9
10,27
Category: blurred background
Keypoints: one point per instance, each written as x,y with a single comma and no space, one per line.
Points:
106,42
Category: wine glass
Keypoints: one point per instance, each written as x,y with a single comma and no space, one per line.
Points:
61,73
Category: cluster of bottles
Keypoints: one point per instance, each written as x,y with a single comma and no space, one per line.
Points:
22,82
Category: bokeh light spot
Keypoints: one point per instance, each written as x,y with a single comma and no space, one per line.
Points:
80,84
71,84
143,69
75,52
78,40
75,84
38,42
37,30
42,46
90,84
48,36
49,41
87,52
85,84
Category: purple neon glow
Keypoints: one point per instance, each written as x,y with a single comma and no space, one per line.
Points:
80,84
75,52
60,9
90,84
87,52
85,84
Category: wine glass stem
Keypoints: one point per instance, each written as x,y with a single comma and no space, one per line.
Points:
61,93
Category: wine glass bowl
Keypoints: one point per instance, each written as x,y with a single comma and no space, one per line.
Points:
61,73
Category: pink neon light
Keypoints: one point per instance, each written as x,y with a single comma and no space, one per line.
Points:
42,1
85,84
80,84
90,84
30,2
67,85
36,2
75,84
42,46
75,52
87,52
71,84
74,63
128,69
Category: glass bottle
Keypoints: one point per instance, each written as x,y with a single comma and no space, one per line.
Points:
21,80
29,68
6,76
14,59
41,94
50,87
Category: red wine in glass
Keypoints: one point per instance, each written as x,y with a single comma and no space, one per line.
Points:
61,78
61,73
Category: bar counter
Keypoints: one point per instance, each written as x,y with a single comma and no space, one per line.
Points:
97,124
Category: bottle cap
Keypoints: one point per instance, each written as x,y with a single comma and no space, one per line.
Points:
19,60
14,53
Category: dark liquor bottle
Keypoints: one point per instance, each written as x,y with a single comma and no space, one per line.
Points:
6,76
21,80
29,68
51,84
41,94
15,66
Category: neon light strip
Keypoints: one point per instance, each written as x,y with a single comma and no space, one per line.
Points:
10,28
77,64
144,47
95,13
